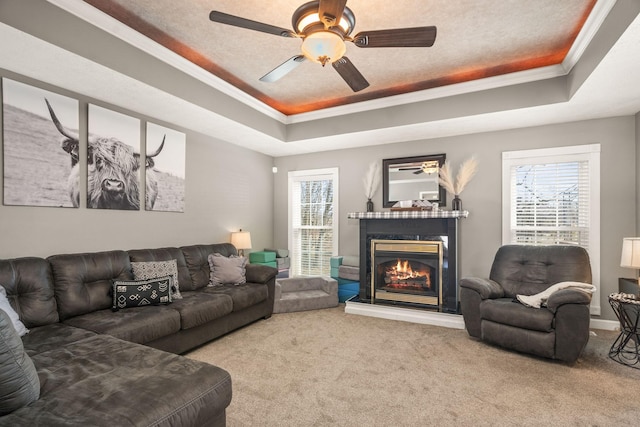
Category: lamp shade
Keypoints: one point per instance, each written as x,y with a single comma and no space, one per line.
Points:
241,239
323,47
630,252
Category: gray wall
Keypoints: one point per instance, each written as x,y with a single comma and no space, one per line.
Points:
636,171
227,188
481,231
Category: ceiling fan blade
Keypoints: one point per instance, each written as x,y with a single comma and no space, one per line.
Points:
350,74
283,69
400,37
236,21
330,11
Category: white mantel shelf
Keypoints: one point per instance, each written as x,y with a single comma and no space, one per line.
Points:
408,214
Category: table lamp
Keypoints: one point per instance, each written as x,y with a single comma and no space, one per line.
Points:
241,240
631,253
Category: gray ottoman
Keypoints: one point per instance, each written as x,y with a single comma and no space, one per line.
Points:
305,293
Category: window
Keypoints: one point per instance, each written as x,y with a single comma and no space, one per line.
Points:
313,227
552,197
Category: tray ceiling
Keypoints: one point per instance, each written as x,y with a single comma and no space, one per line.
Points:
476,39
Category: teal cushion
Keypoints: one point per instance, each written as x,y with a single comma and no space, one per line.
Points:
18,376
261,256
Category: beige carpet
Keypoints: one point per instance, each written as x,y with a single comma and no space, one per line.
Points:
326,367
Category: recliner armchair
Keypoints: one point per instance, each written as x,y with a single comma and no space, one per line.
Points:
558,331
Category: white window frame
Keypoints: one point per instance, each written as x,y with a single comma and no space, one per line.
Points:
308,175
589,152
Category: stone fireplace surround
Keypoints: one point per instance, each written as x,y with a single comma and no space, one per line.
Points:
413,225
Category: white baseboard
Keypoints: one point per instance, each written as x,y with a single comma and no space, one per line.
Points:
607,325
446,320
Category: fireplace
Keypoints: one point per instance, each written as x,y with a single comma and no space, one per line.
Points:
423,239
406,271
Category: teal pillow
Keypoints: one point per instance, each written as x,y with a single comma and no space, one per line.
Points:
18,377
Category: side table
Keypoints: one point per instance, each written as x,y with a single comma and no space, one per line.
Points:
626,348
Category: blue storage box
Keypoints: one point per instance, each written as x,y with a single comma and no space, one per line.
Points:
347,290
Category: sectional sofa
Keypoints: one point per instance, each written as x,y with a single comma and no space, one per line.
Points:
97,366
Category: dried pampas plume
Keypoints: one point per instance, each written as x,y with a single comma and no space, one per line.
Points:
467,170
371,180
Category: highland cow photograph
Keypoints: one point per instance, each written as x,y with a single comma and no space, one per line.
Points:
39,161
165,169
113,160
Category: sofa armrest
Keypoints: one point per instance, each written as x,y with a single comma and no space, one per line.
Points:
278,291
567,296
487,288
330,286
257,273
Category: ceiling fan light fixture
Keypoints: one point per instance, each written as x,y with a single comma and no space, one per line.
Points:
314,19
323,47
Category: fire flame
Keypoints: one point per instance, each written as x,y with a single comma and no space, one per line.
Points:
402,275
403,270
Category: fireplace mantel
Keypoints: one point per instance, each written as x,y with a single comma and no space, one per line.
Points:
408,214
412,225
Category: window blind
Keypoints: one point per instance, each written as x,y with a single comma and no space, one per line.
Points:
551,196
550,203
312,225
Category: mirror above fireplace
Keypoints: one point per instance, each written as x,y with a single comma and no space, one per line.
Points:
412,178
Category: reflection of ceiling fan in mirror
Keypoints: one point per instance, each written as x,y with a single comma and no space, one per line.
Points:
324,26
428,167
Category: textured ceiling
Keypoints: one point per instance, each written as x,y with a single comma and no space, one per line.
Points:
476,39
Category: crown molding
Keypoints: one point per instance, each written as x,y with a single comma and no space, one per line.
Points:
116,28
589,29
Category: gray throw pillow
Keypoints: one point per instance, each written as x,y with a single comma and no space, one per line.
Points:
227,270
6,307
18,376
155,269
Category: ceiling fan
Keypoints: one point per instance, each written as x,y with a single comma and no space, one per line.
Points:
324,26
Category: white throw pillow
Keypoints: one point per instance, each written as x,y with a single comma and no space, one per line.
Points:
6,307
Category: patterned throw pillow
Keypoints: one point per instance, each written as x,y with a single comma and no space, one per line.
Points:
227,270
153,269
137,293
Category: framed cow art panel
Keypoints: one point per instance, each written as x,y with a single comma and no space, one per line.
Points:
113,160
38,161
165,169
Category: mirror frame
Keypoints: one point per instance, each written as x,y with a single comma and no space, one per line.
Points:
387,163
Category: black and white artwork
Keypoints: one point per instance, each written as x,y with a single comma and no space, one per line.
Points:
165,173
39,163
113,160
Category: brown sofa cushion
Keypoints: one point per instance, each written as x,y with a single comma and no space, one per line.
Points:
138,324
29,286
507,312
83,281
118,383
197,259
197,308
